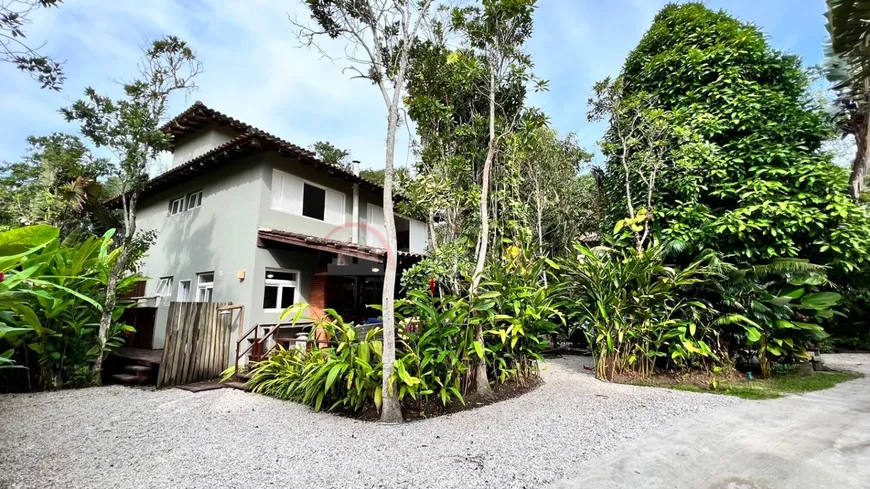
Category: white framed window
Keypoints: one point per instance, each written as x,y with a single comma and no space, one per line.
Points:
376,230
194,200
294,195
164,287
281,289
176,206
184,291
204,286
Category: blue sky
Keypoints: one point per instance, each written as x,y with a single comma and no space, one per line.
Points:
255,72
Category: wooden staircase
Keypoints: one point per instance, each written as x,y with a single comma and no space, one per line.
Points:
135,366
138,374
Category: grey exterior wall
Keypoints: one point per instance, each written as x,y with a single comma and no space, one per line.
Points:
190,147
273,219
221,235
302,261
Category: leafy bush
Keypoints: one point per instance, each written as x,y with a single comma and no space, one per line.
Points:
779,306
645,314
50,301
514,307
640,309
522,316
762,187
435,338
345,375
852,329
436,349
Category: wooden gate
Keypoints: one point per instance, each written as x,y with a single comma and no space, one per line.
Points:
197,343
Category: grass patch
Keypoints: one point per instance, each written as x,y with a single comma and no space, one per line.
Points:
759,389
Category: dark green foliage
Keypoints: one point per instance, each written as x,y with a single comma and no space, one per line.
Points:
331,154
641,313
60,183
638,311
523,316
847,26
345,375
50,302
780,306
436,347
755,185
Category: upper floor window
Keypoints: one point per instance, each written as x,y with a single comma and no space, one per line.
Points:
186,203
296,196
176,206
194,200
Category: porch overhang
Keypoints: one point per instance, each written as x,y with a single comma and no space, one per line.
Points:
355,250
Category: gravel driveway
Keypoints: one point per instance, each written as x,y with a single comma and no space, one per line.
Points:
813,440
125,437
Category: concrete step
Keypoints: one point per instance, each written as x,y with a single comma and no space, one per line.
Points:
138,368
236,385
126,378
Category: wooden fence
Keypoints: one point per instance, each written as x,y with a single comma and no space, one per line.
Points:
197,343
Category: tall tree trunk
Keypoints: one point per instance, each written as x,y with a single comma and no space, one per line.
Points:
540,225
483,241
391,410
111,299
859,165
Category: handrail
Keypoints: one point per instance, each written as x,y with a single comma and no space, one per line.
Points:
276,327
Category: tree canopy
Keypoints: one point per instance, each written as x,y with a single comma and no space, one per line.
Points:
15,48
746,174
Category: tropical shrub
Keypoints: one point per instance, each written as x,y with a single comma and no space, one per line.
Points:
50,302
277,376
640,310
520,313
436,348
852,329
644,314
740,169
435,341
780,307
344,375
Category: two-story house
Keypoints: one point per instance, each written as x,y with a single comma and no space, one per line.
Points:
246,217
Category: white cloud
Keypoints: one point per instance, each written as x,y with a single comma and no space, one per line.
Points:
254,71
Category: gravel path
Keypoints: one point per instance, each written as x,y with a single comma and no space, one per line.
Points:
112,437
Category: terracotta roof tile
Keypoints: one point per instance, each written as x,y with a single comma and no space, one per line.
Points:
333,244
250,138
198,115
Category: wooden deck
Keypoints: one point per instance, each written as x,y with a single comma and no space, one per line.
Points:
152,357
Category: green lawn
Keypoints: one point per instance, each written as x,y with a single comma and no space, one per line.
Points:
771,388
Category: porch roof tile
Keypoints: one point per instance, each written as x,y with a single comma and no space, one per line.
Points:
332,245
